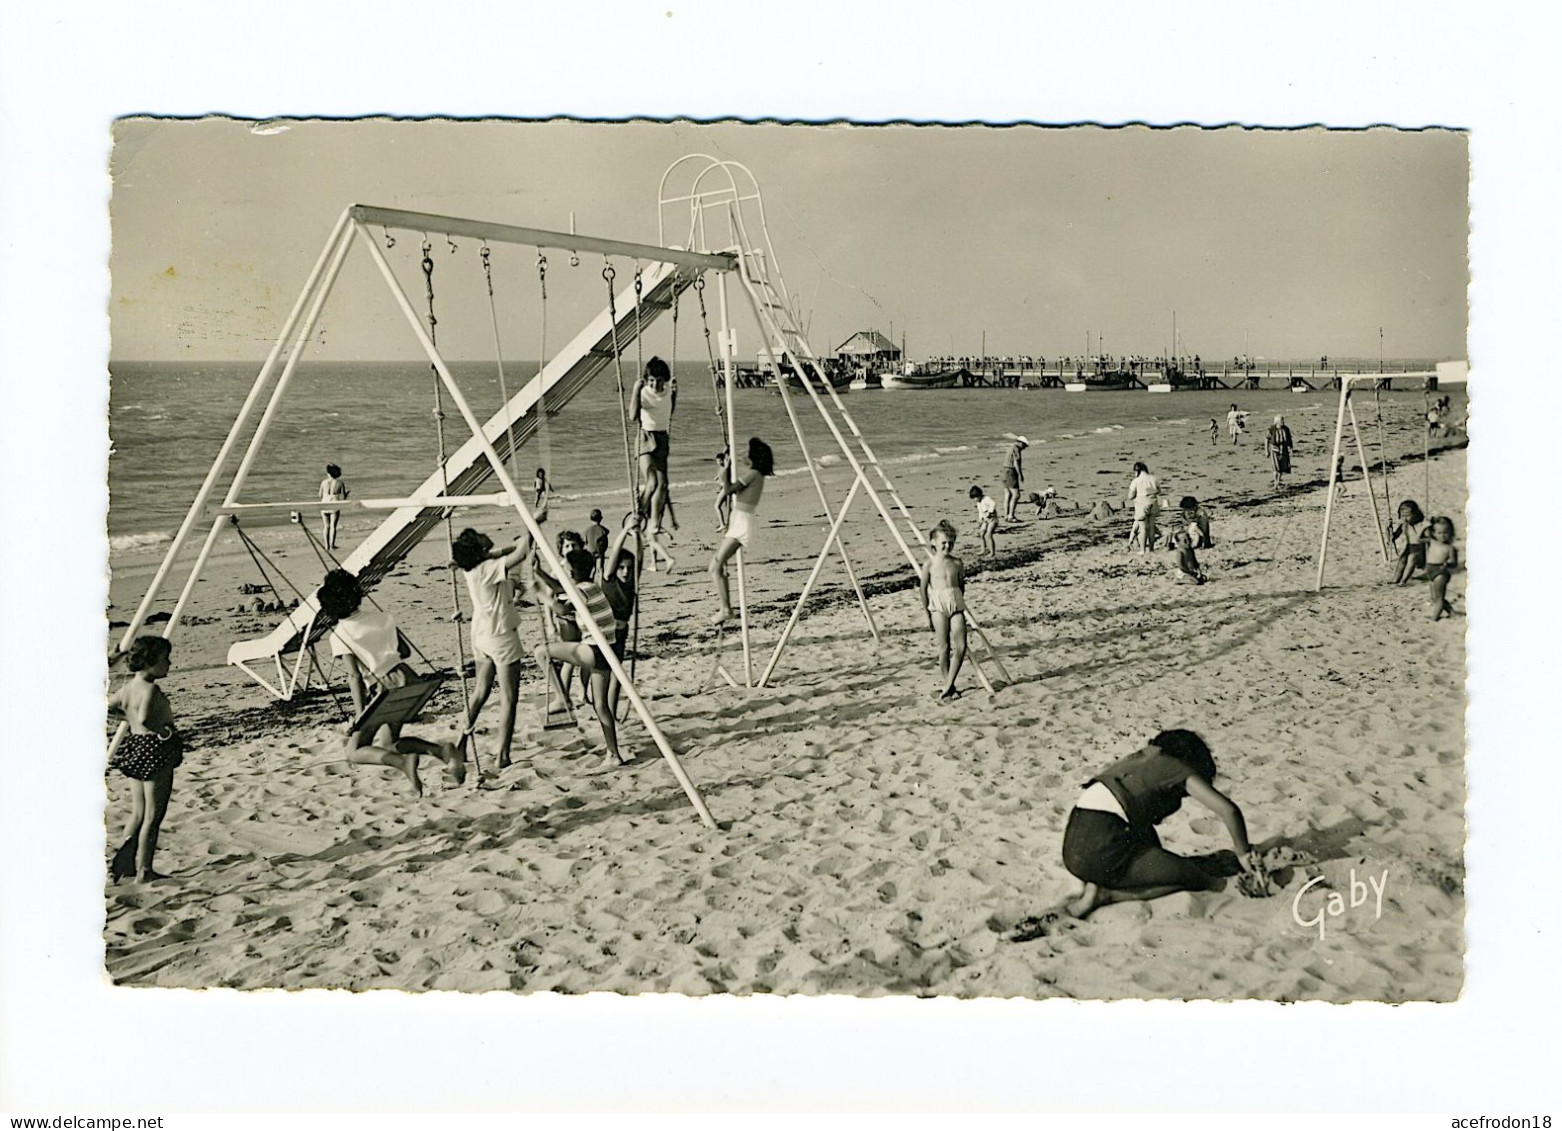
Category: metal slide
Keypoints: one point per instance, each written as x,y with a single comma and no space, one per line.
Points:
468,469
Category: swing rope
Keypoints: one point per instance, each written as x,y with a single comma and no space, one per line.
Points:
257,555
634,627
608,274
715,370
444,474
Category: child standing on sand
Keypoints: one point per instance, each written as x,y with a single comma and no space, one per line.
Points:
987,522
942,585
1412,530
540,487
596,540
1442,559
584,655
1110,844
749,487
1214,430
148,756
496,638
1144,495
333,489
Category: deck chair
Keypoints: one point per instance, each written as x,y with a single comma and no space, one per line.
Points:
397,706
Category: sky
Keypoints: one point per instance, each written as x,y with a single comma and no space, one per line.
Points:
1278,243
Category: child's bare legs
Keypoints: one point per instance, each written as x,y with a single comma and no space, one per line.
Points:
124,862
482,684
654,544
956,644
600,679
558,697
722,506
989,544
509,692
941,645
1011,502
718,575
1152,874
402,753
1439,593
154,807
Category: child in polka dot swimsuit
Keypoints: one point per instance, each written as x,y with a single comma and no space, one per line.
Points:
148,756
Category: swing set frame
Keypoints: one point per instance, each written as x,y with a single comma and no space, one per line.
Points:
297,330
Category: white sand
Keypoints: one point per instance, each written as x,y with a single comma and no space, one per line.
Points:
872,839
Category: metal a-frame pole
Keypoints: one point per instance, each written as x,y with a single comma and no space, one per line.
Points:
539,540
1366,476
729,378
335,250
223,454
1334,467
851,456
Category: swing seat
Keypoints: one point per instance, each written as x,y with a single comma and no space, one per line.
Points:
556,720
397,706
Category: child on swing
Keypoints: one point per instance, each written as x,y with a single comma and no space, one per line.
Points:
585,655
942,585
746,489
496,638
370,642
1413,530
148,756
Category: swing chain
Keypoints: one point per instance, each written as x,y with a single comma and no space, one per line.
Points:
390,240
428,284
451,242
609,274
488,270
542,275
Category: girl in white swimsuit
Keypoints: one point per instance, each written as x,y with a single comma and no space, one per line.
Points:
747,487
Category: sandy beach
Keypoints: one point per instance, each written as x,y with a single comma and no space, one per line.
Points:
872,840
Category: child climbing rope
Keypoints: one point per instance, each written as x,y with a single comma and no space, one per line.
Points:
746,489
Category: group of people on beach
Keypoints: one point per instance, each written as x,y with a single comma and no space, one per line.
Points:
1110,844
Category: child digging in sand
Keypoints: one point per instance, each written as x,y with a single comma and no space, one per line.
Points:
986,522
370,642
1442,559
746,489
1110,843
942,582
148,756
1184,561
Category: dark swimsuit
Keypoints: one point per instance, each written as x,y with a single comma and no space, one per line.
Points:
144,756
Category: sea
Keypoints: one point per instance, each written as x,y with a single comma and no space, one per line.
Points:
168,420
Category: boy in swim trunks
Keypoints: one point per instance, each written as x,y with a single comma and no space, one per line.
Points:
496,638
148,756
745,490
942,585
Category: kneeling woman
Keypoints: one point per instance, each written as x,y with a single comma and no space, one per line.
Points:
369,641
1110,842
